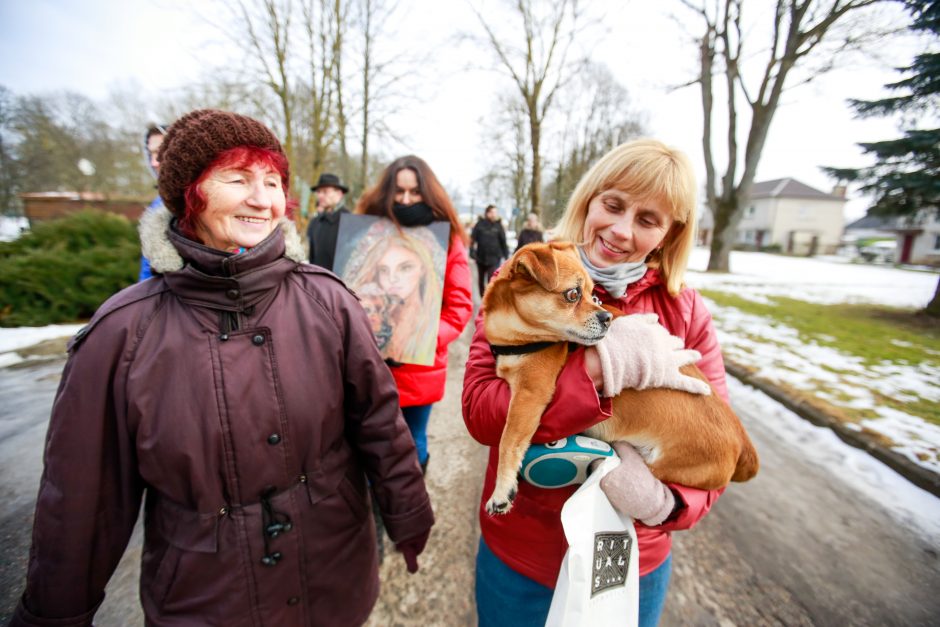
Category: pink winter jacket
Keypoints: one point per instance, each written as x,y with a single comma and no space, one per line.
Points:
530,538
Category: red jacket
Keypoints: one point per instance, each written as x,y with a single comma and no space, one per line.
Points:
423,385
530,538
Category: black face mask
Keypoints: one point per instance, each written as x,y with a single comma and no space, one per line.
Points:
418,214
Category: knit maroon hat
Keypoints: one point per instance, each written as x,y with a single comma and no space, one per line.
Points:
195,140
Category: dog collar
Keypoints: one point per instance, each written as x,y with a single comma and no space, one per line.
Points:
520,349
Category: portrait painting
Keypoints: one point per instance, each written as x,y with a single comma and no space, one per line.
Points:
398,274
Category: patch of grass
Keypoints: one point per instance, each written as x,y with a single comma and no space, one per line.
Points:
871,332
928,410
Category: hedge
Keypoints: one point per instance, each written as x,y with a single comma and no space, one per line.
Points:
62,270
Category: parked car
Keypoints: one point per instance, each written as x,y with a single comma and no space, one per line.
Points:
884,251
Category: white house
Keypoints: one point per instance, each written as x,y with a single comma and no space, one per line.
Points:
918,239
790,216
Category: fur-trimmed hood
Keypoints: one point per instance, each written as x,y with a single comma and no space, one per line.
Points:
154,229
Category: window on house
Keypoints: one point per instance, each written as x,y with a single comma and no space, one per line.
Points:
936,241
750,211
803,212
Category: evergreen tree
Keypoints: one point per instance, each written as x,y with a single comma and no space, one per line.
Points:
905,179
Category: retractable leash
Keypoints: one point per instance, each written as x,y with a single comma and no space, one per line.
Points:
562,462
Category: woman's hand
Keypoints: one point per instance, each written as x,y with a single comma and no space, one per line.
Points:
639,353
633,490
592,365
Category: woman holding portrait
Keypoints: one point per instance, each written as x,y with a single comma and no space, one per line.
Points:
401,268
409,194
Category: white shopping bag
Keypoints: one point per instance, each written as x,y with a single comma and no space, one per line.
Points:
599,580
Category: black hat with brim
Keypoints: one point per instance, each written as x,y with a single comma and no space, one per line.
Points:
329,180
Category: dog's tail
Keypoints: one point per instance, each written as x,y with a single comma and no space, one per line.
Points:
748,463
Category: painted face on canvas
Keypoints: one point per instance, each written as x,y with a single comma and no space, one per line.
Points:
244,206
620,229
399,272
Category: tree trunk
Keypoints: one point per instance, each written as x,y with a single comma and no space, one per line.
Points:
535,130
933,307
341,121
723,236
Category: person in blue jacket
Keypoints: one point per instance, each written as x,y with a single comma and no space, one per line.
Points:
152,141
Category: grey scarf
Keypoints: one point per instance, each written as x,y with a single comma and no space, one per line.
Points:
614,279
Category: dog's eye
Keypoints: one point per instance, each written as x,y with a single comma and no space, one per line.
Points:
573,295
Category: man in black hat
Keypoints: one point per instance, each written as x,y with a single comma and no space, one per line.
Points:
322,231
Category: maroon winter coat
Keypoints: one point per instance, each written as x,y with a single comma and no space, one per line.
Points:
234,394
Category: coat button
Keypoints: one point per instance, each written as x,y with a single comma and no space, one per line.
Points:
293,600
257,340
223,511
274,439
233,294
302,478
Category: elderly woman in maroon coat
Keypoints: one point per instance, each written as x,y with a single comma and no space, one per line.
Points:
240,394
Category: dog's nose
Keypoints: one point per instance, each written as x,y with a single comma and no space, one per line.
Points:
604,317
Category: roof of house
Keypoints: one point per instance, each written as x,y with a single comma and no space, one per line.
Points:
872,222
789,188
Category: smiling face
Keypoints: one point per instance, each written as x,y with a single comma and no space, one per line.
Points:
243,207
399,272
620,229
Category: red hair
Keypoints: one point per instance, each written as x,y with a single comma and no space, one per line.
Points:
239,157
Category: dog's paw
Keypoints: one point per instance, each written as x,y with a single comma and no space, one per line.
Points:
500,506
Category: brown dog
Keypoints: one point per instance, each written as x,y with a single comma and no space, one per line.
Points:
541,297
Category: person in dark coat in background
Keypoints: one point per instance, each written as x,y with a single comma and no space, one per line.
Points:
531,231
241,395
323,229
488,245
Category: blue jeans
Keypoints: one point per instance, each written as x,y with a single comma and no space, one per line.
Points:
417,418
507,599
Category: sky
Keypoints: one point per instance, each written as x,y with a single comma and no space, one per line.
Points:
92,46
787,361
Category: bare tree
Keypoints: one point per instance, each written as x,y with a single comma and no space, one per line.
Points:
383,80
538,67
598,117
323,39
506,138
340,19
267,29
808,34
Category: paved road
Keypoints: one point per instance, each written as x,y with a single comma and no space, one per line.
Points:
796,546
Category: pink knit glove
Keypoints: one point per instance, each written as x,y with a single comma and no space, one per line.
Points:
633,490
639,353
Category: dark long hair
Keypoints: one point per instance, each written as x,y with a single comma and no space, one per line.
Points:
379,199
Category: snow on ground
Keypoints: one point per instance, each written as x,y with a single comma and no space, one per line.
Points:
22,337
818,280
780,356
911,506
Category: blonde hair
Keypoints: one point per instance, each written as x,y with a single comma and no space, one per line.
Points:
643,169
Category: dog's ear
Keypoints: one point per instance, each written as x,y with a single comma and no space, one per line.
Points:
539,263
